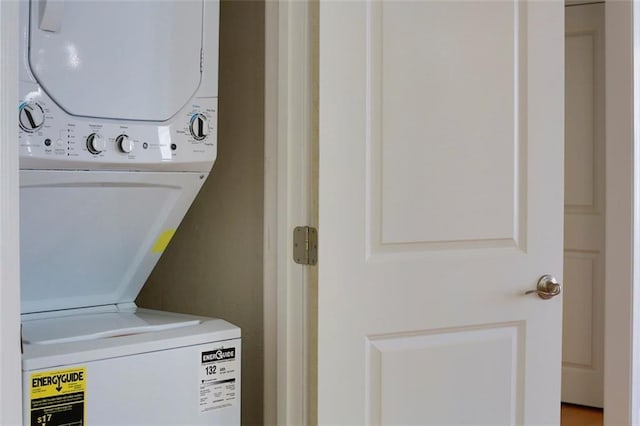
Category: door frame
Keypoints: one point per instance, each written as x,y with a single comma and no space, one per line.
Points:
287,63
290,201
10,360
622,355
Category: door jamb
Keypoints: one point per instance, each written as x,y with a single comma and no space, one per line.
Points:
621,275
290,200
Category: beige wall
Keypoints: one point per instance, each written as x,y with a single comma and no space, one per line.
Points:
213,265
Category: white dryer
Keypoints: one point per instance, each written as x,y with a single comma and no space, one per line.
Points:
118,119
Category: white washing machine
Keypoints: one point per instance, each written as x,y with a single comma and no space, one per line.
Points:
118,119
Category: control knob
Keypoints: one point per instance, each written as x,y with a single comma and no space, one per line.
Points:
125,145
198,126
30,116
95,143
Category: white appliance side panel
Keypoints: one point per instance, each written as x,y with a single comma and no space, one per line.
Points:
210,49
125,60
92,238
193,385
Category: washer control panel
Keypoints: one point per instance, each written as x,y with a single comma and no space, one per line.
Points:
51,138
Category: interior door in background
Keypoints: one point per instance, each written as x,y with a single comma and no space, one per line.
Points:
584,266
440,205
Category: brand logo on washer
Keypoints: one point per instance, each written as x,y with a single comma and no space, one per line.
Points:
221,354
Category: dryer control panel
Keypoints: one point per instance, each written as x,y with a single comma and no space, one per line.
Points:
52,139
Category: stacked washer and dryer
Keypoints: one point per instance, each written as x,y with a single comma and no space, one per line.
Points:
118,118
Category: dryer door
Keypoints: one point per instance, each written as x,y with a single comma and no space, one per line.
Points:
92,238
120,59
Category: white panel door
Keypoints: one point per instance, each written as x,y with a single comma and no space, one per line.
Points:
440,205
584,268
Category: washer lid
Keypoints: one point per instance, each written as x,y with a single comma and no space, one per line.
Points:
195,331
101,325
119,59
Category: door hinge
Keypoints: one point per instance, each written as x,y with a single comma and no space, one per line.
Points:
305,245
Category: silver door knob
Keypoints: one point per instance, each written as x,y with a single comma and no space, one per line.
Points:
547,287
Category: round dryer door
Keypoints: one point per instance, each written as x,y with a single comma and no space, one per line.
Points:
128,60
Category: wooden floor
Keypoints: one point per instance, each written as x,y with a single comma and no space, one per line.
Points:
576,415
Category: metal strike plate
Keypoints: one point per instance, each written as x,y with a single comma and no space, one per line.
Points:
305,245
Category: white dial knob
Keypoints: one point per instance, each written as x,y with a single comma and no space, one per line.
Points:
30,117
95,143
124,144
198,126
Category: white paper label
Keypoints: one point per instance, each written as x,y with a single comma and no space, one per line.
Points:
219,370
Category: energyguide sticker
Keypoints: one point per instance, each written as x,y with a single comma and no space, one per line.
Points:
219,373
57,397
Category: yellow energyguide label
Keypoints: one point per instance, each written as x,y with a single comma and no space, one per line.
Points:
57,397
163,241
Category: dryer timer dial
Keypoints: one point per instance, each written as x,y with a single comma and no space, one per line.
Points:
30,116
198,126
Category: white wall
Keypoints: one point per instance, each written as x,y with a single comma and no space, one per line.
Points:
10,378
